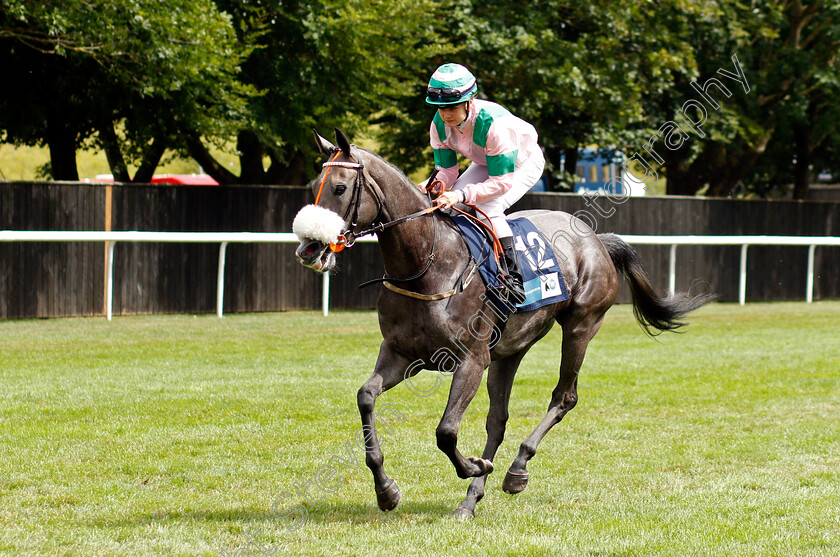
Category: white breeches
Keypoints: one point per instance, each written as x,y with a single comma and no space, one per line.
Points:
524,179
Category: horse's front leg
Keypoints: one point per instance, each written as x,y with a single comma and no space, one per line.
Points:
465,383
390,370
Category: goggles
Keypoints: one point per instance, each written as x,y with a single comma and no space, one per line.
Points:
446,94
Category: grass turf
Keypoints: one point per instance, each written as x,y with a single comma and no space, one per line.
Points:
176,435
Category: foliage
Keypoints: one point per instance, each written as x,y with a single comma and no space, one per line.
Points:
578,72
138,77
760,141
325,64
154,70
613,73
806,137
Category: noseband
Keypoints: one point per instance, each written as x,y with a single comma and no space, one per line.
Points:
348,237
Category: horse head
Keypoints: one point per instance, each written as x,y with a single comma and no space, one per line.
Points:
347,200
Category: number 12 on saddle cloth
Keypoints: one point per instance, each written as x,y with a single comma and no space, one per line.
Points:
541,277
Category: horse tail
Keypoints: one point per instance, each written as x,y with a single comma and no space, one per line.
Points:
654,313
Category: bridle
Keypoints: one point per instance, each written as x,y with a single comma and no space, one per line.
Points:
348,238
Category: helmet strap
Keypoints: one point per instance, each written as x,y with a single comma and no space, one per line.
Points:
467,117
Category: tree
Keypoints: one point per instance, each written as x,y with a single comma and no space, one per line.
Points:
618,74
324,64
578,71
138,77
133,77
766,138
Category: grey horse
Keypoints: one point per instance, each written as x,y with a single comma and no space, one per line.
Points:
433,316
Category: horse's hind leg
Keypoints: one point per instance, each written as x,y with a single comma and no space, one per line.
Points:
499,384
390,370
576,336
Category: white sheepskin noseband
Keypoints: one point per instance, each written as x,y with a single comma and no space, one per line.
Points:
316,223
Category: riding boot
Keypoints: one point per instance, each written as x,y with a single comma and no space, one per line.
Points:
513,278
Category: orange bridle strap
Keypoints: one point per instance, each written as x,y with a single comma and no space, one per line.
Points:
324,181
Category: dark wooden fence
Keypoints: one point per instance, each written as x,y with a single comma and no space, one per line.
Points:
67,279
773,272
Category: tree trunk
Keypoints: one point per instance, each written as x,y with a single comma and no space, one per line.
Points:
151,160
682,178
739,158
210,165
61,140
804,144
678,181
552,167
571,160
802,168
250,158
292,172
111,144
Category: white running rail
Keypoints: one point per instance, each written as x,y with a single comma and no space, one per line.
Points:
225,238
745,242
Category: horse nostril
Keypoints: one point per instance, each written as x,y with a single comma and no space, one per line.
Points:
309,250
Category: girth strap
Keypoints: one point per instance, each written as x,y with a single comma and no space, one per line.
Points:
424,297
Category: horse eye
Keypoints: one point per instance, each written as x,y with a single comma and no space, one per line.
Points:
339,189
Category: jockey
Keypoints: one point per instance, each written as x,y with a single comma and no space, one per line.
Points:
506,159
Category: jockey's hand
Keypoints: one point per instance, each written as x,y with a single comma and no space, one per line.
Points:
435,187
449,198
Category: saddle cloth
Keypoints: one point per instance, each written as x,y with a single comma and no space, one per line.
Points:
541,276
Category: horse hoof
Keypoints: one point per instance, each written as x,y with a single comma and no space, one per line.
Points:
484,465
515,483
389,498
463,513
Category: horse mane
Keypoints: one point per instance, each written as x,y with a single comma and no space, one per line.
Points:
399,173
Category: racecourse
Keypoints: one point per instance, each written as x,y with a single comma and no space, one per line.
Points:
194,435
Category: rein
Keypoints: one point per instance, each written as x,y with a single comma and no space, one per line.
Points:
432,254
327,173
348,238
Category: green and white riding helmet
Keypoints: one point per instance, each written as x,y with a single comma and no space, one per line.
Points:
451,84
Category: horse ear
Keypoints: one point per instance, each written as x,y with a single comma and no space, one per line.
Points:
343,142
323,145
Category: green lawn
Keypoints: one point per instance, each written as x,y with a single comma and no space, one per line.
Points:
26,163
175,435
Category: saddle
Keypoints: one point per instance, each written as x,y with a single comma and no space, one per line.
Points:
541,276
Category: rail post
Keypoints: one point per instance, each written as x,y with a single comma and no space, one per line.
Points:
325,294
742,281
109,283
220,280
672,270
809,288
